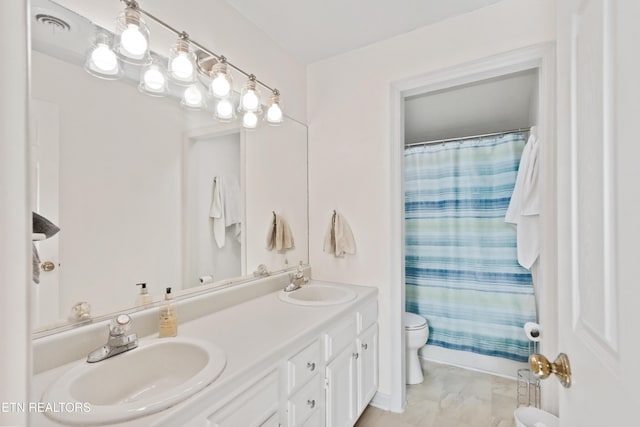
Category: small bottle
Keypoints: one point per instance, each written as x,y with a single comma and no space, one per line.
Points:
168,325
144,298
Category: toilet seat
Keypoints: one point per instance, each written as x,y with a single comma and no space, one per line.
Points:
413,322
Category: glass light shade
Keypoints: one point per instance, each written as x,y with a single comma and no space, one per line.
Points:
249,120
274,114
101,60
182,63
250,97
192,97
221,82
132,37
153,80
224,110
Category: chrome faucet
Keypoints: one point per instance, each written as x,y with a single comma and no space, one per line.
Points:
297,279
119,340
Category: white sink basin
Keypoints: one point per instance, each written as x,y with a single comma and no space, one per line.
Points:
318,294
154,376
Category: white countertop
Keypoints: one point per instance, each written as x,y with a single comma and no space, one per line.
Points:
255,335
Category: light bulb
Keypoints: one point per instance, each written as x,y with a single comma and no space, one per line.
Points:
249,120
224,109
104,59
181,66
192,97
133,41
220,86
274,114
154,79
250,101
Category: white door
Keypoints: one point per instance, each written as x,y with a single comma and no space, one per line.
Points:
599,210
44,200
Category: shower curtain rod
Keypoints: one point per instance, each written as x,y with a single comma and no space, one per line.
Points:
437,141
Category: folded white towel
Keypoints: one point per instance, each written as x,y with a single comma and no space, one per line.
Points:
217,212
524,207
339,239
279,236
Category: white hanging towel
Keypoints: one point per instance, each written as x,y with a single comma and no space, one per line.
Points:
524,207
233,205
279,236
217,211
339,239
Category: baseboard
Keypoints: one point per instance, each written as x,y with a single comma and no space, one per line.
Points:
476,362
381,401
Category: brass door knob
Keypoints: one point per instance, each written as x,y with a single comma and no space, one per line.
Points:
48,266
542,368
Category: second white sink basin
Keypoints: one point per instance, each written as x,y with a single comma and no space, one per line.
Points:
156,375
317,293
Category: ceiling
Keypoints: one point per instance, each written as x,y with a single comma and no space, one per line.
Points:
313,30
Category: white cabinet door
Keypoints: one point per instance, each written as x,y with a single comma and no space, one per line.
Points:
341,389
367,362
599,207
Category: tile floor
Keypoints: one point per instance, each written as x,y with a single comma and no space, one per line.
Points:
451,397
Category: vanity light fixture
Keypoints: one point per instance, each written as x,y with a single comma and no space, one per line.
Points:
274,111
250,97
101,61
132,36
187,61
153,80
224,110
250,120
192,97
182,61
221,82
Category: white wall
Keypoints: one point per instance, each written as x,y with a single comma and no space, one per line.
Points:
349,117
15,222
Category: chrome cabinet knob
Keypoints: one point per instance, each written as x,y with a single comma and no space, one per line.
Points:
365,346
356,355
311,366
311,403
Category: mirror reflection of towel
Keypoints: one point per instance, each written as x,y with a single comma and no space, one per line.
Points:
226,208
339,239
279,237
40,225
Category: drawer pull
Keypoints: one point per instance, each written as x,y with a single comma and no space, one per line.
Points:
311,403
365,346
356,355
311,366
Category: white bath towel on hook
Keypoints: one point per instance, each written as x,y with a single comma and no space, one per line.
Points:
524,207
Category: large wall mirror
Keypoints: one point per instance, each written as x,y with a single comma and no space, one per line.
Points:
132,182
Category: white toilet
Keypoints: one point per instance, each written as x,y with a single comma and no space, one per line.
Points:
527,416
416,333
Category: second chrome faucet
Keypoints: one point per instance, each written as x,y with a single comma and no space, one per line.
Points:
119,340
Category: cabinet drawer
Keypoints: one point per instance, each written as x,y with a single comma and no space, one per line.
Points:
367,316
306,401
340,336
252,407
303,366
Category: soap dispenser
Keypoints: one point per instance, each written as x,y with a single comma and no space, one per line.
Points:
168,325
144,298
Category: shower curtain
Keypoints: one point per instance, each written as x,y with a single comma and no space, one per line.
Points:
461,267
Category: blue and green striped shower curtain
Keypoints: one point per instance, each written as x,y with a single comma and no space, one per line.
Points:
461,267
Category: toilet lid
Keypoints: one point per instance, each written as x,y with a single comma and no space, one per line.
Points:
414,321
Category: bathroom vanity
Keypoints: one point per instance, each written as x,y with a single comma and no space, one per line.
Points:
287,363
